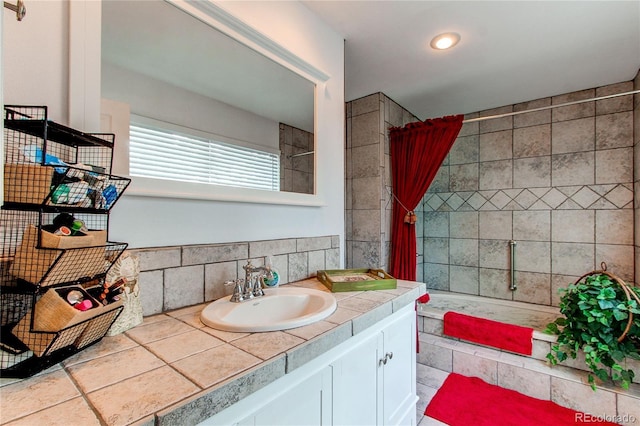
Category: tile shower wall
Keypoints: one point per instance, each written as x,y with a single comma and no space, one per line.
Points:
368,179
296,174
179,276
559,182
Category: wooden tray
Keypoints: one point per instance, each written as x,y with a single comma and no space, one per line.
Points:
338,280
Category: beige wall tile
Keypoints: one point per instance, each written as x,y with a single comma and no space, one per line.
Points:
496,174
573,169
532,118
183,286
572,258
463,251
614,165
581,397
464,279
436,276
497,124
465,150
495,283
573,136
618,258
531,383
533,256
494,254
215,275
532,225
152,287
463,177
365,104
436,250
269,248
151,259
496,225
366,225
618,104
366,192
496,145
435,356
364,129
575,226
365,161
463,225
533,288
614,130
532,141
571,112
532,172
628,410
614,226
470,365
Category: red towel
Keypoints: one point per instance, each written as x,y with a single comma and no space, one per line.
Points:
509,337
424,298
464,401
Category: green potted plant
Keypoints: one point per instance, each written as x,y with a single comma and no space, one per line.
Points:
602,319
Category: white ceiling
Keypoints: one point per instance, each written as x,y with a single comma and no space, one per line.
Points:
510,52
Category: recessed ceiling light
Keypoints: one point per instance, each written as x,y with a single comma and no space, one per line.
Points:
445,41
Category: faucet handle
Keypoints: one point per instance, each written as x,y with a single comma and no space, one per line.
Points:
257,286
237,295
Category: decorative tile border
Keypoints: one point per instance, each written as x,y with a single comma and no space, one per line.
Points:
598,197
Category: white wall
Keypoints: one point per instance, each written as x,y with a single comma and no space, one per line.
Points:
156,99
145,221
35,57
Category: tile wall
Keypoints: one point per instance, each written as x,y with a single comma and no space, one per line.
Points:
559,182
179,276
296,174
368,179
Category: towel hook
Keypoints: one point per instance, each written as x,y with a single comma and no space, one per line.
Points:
18,8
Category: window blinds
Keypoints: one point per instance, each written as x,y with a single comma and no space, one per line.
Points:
162,154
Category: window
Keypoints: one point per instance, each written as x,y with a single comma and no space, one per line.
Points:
167,154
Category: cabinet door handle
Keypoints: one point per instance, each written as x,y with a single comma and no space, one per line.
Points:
387,357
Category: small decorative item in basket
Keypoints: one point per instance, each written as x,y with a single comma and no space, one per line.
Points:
602,319
127,267
338,280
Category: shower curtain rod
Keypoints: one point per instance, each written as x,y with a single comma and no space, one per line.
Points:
507,114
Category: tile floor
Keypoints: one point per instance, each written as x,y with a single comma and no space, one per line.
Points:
429,380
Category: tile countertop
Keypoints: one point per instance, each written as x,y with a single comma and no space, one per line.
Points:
173,370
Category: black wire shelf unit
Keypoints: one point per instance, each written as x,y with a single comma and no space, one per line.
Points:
58,193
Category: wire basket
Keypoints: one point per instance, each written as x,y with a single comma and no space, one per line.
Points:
629,293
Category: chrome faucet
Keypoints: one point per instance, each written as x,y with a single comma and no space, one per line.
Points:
250,286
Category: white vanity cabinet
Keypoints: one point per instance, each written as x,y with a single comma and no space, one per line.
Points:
374,382
308,402
370,379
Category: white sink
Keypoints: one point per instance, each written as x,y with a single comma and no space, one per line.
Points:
279,309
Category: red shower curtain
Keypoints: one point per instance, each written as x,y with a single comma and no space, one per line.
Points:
417,151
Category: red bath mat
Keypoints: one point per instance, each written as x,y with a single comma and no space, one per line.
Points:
509,337
464,401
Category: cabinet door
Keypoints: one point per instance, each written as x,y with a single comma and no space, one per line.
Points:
355,387
399,372
307,403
